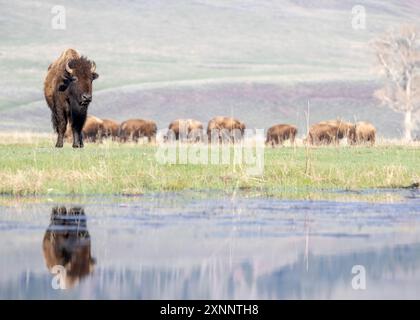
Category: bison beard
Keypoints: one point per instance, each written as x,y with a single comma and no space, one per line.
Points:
68,92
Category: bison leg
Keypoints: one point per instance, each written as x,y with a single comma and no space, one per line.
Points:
292,139
77,135
152,138
61,126
77,139
280,141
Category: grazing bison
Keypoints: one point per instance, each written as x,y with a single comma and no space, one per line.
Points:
92,129
68,92
332,131
225,129
137,128
279,133
185,130
365,133
321,133
344,129
67,244
110,129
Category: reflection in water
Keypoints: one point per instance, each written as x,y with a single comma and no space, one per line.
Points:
174,247
67,243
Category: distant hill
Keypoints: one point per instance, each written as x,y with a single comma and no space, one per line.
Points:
258,59
260,105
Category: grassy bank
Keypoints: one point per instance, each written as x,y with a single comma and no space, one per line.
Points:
33,167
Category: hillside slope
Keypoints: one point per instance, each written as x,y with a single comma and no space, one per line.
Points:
167,59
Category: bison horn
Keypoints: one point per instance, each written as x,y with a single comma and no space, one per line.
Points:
93,68
68,69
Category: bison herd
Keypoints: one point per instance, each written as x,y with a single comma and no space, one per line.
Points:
68,92
223,129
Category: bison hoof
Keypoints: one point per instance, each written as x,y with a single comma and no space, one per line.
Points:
59,145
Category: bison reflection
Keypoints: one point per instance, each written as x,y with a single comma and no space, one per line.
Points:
67,243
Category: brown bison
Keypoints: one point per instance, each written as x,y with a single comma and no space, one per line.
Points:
137,128
68,92
185,130
225,129
110,129
67,244
92,129
365,133
279,133
332,131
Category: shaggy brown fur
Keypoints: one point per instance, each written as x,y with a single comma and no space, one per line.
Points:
110,129
322,133
137,128
93,129
332,131
185,129
68,92
279,133
365,133
226,129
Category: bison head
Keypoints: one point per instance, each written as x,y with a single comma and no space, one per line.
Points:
77,80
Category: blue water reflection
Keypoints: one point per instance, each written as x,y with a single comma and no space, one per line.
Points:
175,247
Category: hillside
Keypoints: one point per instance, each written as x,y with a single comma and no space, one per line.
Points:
258,60
260,105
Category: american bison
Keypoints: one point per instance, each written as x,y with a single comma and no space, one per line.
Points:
137,128
365,133
67,244
92,129
110,129
185,130
332,131
225,129
345,129
68,92
279,133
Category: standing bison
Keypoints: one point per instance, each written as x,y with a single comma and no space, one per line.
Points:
225,129
110,129
185,130
365,133
137,128
279,133
68,92
332,131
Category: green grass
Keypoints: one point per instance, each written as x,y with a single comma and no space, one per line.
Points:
36,168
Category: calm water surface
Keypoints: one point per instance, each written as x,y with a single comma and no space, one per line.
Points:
177,246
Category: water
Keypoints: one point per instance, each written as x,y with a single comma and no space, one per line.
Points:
207,246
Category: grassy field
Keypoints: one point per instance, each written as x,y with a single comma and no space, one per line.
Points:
31,166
